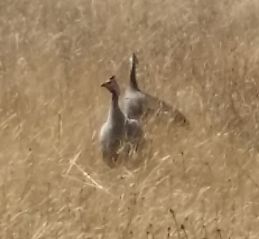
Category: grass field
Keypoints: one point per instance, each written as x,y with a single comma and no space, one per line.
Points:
200,56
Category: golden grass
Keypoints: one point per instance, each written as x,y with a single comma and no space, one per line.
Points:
200,56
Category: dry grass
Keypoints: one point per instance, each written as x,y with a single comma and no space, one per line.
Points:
201,56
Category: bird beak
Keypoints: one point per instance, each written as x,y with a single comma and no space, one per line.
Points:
104,84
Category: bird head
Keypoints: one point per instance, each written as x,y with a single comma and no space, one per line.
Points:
133,59
112,85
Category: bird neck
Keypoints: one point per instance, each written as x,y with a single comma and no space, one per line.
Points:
115,111
115,99
133,78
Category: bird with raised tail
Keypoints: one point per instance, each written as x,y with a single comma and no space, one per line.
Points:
138,104
118,133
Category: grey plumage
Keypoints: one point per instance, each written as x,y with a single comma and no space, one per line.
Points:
138,104
135,101
118,130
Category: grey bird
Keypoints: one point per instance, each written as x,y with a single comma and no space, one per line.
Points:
140,105
118,133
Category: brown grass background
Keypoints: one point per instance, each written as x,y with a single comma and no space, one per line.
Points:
201,56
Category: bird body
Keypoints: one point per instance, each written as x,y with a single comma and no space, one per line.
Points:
112,134
135,103
118,129
138,104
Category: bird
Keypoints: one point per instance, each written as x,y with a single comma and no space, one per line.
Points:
138,104
118,133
